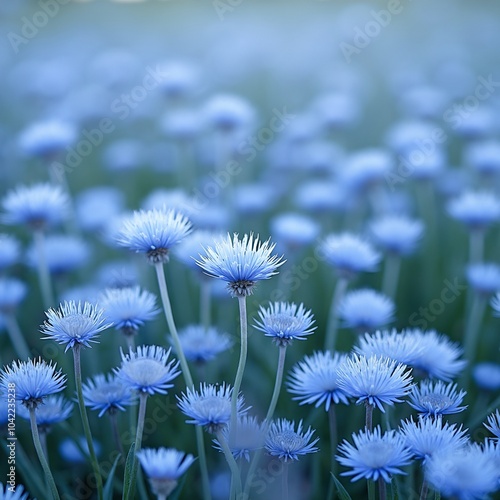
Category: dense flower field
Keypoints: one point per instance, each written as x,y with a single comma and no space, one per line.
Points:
249,250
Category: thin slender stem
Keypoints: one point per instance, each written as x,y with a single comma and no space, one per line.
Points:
332,424
424,491
43,269
371,489
143,399
284,481
205,303
391,275
16,336
41,455
369,416
85,420
277,383
162,283
202,458
114,429
332,327
235,471
382,489
243,359
476,246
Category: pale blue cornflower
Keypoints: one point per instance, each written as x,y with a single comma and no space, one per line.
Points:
148,369
227,112
321,197
285,322
54,409
47,138
38,206
493,424
477,210
468,473
240,263
128,308
434,399
107,393
365,168
201,344
374,380
374,455
34,380
366,309
314,380
6,492
10,251
75,323
429,436
247,438
349,255
397,234
294,230
178,78
153,233
210,407
12,293
163,467
483,156
286,443
487,376
484,278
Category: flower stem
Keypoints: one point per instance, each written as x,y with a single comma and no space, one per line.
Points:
235,471
116,434
382,489
424,491
332,327
143,399
391,275
277,383
243,358
85,420
369,417
43,269
284,481
205,303
41,456
16,336
332,421
202,458
476,246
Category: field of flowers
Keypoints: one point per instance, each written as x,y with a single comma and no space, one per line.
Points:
249,250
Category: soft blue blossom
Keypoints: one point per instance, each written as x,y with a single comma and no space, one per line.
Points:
246,438
54,409
433,399
493,424
10,251
294,230
201,344
47,138
397,234
484,277
365,168
12,293
228,112
18,494
477,210
487,376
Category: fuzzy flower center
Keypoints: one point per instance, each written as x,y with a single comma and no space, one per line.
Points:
290,441
144,371
76,325
436,401
212,407
376,455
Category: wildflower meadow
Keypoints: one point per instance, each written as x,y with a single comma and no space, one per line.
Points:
249,250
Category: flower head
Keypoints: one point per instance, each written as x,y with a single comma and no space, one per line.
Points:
436,398
200,344
37,206
153,232
477,210
247,437
286,443
148,370
240,263
210,407
294,230
128,308
54,409
493,424
46,138
107,393
285,322
315,380
374,455
374,380
9,251
6,492
484,278
397,234
33,380
75,323
487,376
12,292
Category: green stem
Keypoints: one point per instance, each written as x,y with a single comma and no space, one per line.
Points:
205,303
243,359
284,481
332,424
85,420
332,327
277,383
43,269
235,471
16,336
41,456
371,489
382,489
476,246
424,491
202,458
143,399
391,275
116,434
369,417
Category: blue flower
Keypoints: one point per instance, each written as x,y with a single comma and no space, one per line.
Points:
487,376
366,309
285,322
493,424
294,230
374,380
466,474
153,232
483,156
210,407
484,278
429,436
240,263
349,254
286,443
33,380
397,234
436,398
128,308
107,393
75,323
54,409
374,455
18,494
12,292
164,466
97,205
477,210
47,138
365,168
9,251
37,206
315,380
147,369
200,344
228,112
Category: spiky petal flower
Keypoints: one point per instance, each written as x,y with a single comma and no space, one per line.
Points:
200,344
285,322
153,232
493,424
6,492
164,466
247,437
75,323
148,370
286,443
433,399
33,381
107,393
240,263
210,407
54,409
315,380
374,455
374,380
